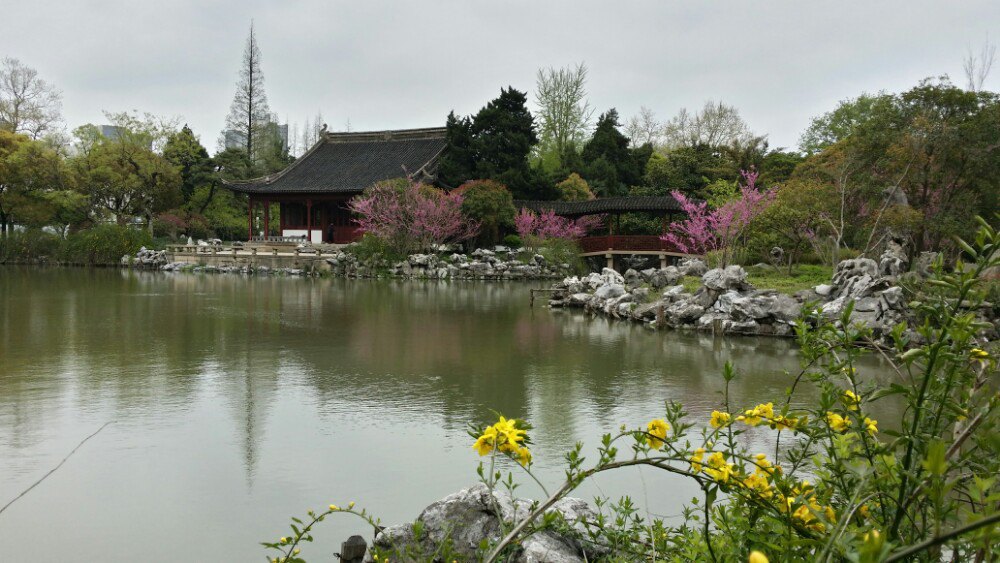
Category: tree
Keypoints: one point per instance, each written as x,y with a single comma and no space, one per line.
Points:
574,188
249,114
494,144
977,68
538,227
721,229
458,160
563,112
490,204
185,151
124,175
412,217
609,165
716,125
644,128
29,171
843,121
28,104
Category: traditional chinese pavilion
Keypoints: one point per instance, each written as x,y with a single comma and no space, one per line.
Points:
312,193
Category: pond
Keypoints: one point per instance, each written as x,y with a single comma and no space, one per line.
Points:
238,402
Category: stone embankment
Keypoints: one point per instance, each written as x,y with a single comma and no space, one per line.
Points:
468,517
501,263
726,303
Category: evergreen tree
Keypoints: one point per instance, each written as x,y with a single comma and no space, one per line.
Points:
609,165
249,115
457,163
185,151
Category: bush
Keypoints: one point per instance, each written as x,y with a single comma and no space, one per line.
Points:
489,203
574,188
30,246
562,251
512,241
372,250
103,245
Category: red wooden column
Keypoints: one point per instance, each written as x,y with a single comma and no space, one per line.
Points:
250,220
267,218
281,218
309,220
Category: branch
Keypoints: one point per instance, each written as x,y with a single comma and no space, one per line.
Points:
53,470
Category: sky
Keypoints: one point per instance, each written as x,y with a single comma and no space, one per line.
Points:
391,65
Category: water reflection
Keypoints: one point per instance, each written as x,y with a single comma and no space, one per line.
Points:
241,401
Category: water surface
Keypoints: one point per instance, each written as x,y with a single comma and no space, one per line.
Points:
238,402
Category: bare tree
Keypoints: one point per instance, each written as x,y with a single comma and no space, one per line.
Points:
644,128
28,104
717,124
563,112
977,67
250,115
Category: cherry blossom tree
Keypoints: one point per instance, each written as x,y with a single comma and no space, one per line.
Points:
721,229
412,217
547,225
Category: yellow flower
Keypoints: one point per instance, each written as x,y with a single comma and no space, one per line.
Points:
523,456
863,511
837,422
696,460
295,551
978,354
350,505
720,419
757,482
851,399
508,435
872,537
334,507
484,444
767,411
757,557
830,514
871,426
283,539
718,468
657,430
752,417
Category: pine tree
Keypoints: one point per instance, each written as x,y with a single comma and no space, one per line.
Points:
250,115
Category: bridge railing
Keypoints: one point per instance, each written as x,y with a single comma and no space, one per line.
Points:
637,243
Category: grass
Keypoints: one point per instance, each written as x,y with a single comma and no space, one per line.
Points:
804,276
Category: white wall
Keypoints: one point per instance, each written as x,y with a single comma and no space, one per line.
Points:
317,234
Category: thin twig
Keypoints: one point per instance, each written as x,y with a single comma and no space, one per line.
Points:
53,470
938,540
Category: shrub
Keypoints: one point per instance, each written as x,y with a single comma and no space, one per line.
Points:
490,204
103,245
29,246
574,188
512,241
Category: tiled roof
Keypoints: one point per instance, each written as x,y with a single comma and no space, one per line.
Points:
350,162
653,204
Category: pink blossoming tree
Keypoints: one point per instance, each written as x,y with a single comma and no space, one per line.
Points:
718,230
534,227
412,217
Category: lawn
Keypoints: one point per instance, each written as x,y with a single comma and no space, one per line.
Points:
805,276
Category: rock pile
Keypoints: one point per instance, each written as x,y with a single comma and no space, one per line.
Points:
724,303
145,258
499,264
470,516
727,303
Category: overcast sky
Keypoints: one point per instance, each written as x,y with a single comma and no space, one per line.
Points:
402,64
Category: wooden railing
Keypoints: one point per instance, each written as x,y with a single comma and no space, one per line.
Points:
278,238
637,243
